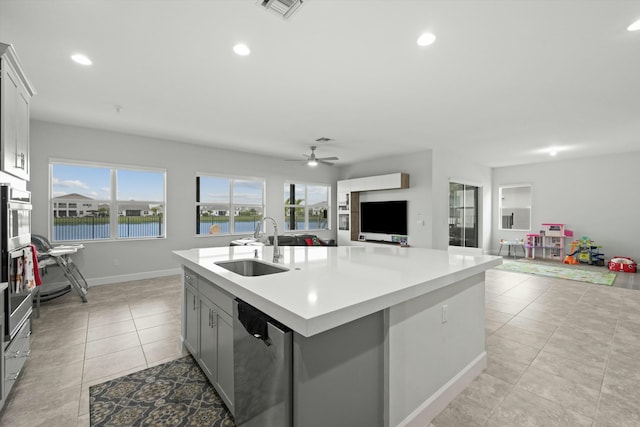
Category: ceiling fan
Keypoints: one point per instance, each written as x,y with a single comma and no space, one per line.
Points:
313,161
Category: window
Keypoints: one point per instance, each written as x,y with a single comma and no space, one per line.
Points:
306,206
228,205
102,190
463,215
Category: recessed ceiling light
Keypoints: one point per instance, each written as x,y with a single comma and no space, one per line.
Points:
426,39
635,26
81,59
241,49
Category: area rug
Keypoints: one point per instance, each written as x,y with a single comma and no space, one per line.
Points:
597,277
176,393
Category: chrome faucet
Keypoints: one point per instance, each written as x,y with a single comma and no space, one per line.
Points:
277,255
256,233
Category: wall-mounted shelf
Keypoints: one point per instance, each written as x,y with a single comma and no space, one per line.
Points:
349,200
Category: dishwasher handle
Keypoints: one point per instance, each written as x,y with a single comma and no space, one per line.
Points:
254,321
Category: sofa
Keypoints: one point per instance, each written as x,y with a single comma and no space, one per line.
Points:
302,240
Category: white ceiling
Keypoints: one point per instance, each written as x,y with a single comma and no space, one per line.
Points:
504,80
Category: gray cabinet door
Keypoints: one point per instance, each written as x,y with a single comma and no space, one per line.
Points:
15,132
208,339
225,361
191,304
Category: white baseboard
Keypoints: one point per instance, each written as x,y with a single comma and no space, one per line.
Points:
99,281
429,409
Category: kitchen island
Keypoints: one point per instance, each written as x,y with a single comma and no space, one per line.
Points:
382,336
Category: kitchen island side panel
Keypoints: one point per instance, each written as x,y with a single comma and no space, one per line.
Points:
435,347
338,375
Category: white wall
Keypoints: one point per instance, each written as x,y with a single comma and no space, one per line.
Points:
418,195
150,258
596,197
429,174
446,167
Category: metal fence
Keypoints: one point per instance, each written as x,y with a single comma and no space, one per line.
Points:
99,228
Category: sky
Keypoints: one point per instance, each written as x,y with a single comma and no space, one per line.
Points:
95,183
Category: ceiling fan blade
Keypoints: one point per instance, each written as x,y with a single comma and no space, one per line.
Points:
327,158
324,162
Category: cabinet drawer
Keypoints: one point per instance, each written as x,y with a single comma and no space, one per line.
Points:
16,355
217,295
191,278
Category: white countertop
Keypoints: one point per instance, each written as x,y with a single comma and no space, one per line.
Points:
327,287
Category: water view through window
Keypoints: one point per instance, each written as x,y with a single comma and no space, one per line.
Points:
104,202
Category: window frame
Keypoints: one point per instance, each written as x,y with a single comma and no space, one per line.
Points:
230,203
306,208
459,215
113,201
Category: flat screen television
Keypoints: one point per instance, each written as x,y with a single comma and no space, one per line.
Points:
384,217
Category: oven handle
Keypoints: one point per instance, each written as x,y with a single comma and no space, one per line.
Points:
17,253
18,206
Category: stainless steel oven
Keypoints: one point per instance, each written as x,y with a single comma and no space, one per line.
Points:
16,258
16,217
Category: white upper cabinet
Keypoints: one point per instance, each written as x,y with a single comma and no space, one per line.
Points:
15,96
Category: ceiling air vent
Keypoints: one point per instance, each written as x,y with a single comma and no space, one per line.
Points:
283,8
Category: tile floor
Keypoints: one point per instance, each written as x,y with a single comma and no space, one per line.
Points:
122,329
560,353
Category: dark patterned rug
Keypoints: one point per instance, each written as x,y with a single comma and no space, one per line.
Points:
176,393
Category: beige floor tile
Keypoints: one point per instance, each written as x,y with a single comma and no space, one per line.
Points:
46,340
61,355
48,377
505,368
111,344
107,331
155,306
529,325
113,363
162,350
508,349
168,317
29,408
107,317
461,412
497,316
84,421
491,326
522,336
158,333
568,394
616,412
579,372
521,408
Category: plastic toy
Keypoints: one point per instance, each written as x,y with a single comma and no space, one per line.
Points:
585,251
622,263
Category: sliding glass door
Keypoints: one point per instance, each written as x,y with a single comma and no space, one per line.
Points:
463,215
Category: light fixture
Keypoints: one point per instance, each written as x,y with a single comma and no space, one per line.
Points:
81,59
242,49
312,162
426,39
635,26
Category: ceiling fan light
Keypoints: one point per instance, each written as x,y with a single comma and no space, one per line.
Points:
312,162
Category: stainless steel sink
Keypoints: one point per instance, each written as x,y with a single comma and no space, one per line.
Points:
251,267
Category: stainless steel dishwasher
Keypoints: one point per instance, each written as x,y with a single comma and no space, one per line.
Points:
262,369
